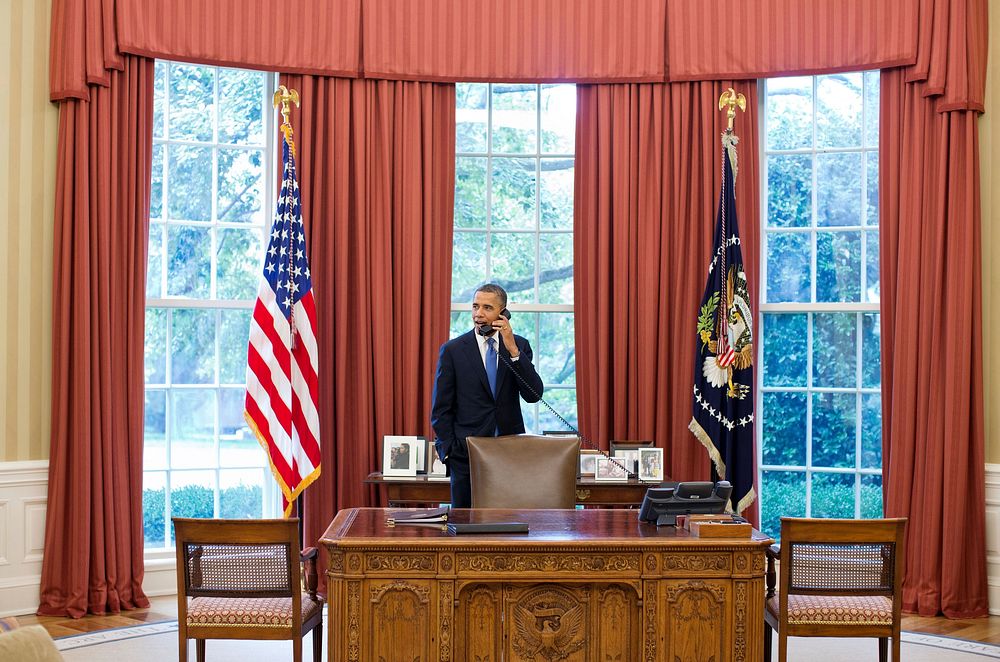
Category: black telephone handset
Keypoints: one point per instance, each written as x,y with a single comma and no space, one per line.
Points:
487,329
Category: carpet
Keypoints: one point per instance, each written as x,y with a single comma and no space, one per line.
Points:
157,642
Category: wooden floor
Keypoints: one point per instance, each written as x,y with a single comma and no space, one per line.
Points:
986,630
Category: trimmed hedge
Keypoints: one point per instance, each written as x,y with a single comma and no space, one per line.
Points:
239,502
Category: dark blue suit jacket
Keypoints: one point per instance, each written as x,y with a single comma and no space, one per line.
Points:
463,404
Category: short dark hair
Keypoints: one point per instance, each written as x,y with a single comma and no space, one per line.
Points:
493,288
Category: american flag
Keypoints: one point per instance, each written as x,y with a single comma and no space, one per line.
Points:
281,404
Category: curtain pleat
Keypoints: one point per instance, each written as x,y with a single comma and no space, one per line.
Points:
648,173
932,381
376,170
94,535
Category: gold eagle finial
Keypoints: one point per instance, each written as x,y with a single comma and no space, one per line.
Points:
732,99
284,96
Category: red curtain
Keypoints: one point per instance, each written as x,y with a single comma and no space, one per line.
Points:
648,173
376,169
93,537
932,381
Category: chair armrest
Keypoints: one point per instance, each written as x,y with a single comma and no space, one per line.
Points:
773,553
308,558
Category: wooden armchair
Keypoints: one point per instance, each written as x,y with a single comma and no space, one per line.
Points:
839,578
241,579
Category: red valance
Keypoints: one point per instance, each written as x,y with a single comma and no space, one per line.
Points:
758,38
515,40
943,42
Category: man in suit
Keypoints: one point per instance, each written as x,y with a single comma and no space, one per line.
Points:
475,394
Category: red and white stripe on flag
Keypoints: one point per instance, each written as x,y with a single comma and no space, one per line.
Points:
282,384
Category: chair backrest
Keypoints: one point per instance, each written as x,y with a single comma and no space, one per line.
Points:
842,557
237,558
523,471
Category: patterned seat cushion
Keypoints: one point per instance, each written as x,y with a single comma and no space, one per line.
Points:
247,612
836,609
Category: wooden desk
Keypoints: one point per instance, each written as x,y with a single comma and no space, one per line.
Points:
582,585
420,491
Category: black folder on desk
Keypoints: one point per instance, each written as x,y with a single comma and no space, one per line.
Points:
456,528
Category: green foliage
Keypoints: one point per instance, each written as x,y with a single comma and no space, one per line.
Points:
784,496
237,502
706,318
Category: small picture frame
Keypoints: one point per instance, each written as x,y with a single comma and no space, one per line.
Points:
629,457
422,455
620,445
651,464
438,470
609,470
588,462
399,455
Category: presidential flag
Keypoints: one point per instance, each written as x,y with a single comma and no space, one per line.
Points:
282,400
722,417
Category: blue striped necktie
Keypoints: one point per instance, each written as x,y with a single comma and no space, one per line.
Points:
491,364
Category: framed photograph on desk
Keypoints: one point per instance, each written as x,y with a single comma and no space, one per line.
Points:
610,470
651,464
399,455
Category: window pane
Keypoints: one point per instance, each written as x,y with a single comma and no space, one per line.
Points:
468,265
241,94
872,107
239,255
192,346
461,323
871,431
871,496
784,424
789,257
189,261
155,344
871,165
234,336
558,118
513,264
838,110
786,348
156,188
154,430
159,98
838,266
555,359
154,261
240,186
871,351
470,192
834,425
237,445
192,428
789,112
191,106
789,191
189,197
555,277
192,494
154,507
832,495
835,350
563,400
241,494
514,119
838,194
782,494
471,116
513,187
556,194
872,292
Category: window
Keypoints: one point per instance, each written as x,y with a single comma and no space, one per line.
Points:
514,223
211,192
820,404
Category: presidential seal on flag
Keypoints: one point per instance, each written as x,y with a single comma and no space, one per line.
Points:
722,407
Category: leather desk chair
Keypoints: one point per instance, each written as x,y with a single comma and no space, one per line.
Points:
523,471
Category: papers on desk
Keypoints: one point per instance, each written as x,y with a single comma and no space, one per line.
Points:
417,516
